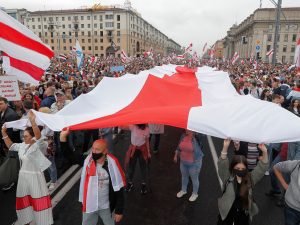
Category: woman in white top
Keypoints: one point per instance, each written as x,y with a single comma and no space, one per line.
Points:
33,201
138,150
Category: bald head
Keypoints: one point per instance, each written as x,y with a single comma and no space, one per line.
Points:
99,146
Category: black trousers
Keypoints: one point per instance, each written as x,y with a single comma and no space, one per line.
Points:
235,216
156,141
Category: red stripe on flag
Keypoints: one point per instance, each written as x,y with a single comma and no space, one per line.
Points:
38,204
26,67
12,35
166,100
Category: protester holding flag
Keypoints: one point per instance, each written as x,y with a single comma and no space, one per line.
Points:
101,176
236,206
190,153
33,201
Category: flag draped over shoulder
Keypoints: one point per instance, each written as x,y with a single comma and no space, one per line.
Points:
24,54
202,100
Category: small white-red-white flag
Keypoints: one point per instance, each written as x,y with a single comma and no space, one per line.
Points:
235,57
270,53
62,56
297,55
195,56
124,57
204,48
189,48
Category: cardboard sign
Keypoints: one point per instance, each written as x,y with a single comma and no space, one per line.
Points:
117,68
9,88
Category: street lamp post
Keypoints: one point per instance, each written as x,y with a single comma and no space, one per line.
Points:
277,22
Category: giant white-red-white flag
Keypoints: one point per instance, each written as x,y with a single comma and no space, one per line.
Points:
24,54
297,55
202,100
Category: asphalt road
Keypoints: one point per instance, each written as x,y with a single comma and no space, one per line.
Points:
160,207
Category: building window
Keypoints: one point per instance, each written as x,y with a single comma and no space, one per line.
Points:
69,26
101,47
88,18
101,33
284,48
101,25
39,19
96,47
69,18
286,38
90,48
56,18
95,25
89,25
101,40
89,33
63,26
82,40
89,40
71,48
283,59
118,33
32,19
70,41
76,34
40,27
118,18
96,40
52,41
95,33
63,18
294,37
82,25
52,48
109,24
268,48
64,40
70,33
100,18
82,17
51,34
293,48
45,19
95,17
65,48
118,25
109,17
83,47
82,33
40,34
45,26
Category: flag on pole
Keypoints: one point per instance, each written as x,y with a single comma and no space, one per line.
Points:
195,56
124,57
24,54
149,53
270,54
189,48
79,55
235,57
204,48
297,55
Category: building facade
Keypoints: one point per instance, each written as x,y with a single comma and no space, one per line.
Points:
255,35
100,30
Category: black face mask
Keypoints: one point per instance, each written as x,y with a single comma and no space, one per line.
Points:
97,156
240,173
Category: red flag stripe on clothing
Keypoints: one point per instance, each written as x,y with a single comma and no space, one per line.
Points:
182,93
12,35
38,204
26,67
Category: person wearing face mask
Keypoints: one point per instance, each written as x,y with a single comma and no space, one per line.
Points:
236,206
101,186
33,201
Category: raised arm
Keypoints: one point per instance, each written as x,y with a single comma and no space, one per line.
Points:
5,137
35,128
223,163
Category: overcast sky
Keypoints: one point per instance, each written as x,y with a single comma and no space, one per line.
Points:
196,21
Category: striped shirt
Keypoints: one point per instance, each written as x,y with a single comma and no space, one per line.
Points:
252,155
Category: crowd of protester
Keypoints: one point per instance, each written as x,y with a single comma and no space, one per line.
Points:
63,82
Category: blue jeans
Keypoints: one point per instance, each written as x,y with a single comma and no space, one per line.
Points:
52,169
92,218
291,216
294,151
190,170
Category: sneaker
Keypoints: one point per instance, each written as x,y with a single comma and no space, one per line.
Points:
129,187
272,193
144,189
52,186
193,197
8,186
180,194
267,173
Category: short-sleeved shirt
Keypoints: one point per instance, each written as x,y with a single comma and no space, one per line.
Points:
186,149
138,136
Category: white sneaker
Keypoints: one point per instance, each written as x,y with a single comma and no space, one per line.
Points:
180,194
193,197
52,186
267,173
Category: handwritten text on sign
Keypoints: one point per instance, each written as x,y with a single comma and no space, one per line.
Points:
9,88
